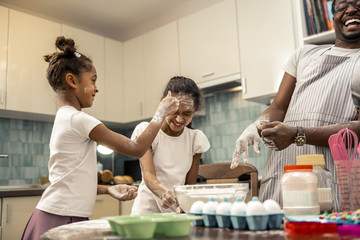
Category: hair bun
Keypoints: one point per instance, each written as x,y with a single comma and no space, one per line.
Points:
67,45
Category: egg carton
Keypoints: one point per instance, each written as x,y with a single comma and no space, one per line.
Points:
254,216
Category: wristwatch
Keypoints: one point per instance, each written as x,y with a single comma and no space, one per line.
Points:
300,138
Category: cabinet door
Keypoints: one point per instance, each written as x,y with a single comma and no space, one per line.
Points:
114,86
125,207
267,40
92,46
4,23
105,206
134,80
30,38
16,213
208,39
161,62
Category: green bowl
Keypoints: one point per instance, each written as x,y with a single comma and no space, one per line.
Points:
116,226
146,225
175,225
136,228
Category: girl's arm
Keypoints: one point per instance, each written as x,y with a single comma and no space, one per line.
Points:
135,148
194,170
148,170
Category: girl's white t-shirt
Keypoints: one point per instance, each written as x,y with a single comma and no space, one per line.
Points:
172,157
72,165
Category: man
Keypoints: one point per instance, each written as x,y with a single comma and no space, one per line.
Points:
319,95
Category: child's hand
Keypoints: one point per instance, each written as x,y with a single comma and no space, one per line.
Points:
167,106
123,192
168,199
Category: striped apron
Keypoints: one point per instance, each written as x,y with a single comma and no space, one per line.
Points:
322,97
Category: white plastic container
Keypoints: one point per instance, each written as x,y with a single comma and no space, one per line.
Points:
324,179
300,191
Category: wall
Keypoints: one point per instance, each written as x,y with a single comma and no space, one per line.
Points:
226,117
27,142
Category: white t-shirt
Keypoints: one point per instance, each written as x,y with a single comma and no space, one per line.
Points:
72,165
312,51
172,157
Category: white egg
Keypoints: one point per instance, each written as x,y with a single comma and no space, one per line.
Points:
272,206
255,207
238,208
210,207
197,207
224,207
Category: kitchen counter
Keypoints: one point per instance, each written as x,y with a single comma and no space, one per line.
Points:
21,190
100,229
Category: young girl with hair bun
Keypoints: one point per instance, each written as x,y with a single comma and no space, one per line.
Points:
72,166
174,156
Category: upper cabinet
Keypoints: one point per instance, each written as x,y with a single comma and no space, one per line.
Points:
150,60
92,46
134,82
315,22
114,85
208,42
4,24
161,62
30,38
266,36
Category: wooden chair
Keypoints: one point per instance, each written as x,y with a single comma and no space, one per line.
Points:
221,173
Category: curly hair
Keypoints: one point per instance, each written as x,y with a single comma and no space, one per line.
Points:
65,61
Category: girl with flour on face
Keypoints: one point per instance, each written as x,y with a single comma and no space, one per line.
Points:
72,165
174,156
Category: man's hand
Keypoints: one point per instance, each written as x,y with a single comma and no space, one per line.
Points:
250,136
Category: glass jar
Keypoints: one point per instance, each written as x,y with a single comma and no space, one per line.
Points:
299,190
324,177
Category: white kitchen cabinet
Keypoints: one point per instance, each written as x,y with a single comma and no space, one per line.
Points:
208,42
161,62
266,36
30,38
16,212
114,85
134,82
4,23
126,206
303,37
105,206
92,46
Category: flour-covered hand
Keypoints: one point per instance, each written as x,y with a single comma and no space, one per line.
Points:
167,106
123,192
250,136
168,199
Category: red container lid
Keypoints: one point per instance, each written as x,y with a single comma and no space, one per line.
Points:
298,167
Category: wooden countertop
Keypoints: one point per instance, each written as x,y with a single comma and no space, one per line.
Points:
100,229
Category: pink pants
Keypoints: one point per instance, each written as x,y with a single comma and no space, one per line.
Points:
40,222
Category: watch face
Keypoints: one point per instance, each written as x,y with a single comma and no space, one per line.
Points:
300,140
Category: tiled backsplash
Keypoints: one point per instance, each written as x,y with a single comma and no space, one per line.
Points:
27,142
226,117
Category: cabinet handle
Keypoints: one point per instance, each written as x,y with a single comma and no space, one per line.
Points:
208,74
243,84
99,200
8,212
